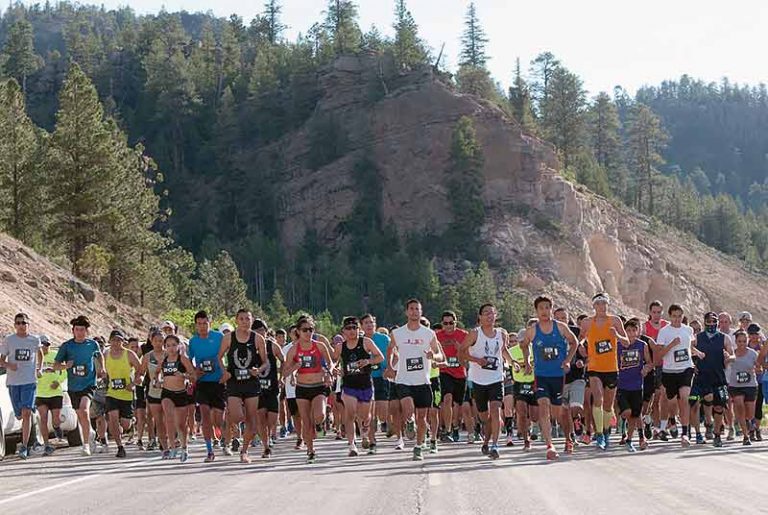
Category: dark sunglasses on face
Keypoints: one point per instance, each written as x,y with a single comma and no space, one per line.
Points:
307,329
21,322
449,323
350,327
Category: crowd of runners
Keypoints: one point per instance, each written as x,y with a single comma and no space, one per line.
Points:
597,380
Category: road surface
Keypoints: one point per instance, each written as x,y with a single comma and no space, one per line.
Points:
458,480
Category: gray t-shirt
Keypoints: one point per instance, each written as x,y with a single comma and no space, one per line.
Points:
22,352
741,373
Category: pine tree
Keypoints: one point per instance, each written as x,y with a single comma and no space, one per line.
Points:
645,139
275,27
520,101
19,53
562,114
20,165
341,23
604,126
543,67
475,289
278,314
473,40
409,49
465,183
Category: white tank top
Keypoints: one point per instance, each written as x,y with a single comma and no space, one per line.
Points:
490,349
413,367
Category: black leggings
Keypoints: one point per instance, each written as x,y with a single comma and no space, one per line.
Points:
759,404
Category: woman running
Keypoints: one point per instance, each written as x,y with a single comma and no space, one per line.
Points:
149,365
742,382
175,370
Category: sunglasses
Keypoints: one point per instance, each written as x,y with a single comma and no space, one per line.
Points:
350,327
307,329
449,323
21,322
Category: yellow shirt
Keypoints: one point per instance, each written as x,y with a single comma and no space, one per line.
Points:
119,376
45,389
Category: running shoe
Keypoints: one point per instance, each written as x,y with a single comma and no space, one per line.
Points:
433,447
417,456
456,437
365,443
684,442
140,445
152,445
630,447
283,432
372,449
568,447
552,453
167,455
92,442
647,431
23,452
399,445
208,459
299,444
484,449
446,438
527,446
174,453
718,442
673,432
643,444
600,442
48,450
103,448
290,427
700,439
758,435
227,450
471,438
184,456
266,454
235,444
494,452
58,433
353,451
663,436
746,441
606,439
708,433
410,430
120,452
586,439
510,441
730,436
244,458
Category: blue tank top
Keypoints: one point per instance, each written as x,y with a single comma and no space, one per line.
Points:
711,369
382,342
550,350
631,362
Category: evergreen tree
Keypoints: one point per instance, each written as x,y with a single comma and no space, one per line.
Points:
341,23
475,289
520,101
277,312
19,53
465,184
275,27
563,114
20,171
543,67
473,40
645,139
604,126
409,49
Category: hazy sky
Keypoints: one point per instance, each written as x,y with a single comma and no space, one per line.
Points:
605,42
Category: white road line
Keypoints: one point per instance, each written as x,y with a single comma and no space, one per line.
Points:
74,481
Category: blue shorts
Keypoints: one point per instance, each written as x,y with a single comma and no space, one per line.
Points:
549,388
22,397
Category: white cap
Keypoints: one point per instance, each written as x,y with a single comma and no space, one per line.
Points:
601,297
167,323
745,315
226,327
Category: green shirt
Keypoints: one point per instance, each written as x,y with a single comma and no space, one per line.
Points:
44,388
517,354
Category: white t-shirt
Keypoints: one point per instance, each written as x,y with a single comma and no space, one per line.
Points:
490,349
678,358
290,389
413,367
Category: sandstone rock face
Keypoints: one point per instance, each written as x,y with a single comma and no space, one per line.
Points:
558,237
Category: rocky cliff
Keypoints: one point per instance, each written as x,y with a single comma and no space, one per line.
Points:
559,237
51,297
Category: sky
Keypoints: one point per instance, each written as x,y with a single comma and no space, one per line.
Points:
605,42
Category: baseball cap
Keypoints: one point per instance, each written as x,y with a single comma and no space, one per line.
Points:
259,324
226,327
753,329
745,315
167,323
44,340
117,333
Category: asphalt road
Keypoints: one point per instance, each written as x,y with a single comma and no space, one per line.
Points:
458,480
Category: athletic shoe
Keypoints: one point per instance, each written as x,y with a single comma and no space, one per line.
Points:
103,448
586,439
399,445
417,456
208,459
718,442
244,458
746,441
471,438
433,447
272,442
266,454
663,436
235,444
352,451
140,445
456,437
410,430
578,429
283,432
299,444
23,452
673,432
174,453
606,440
730,436
623,440
167,455
86,450
601,442
446,438
227,450
708,432
290,427
527,446
684,441
484,449
365,443
630,447
738,431
758,435
647,431
643,444
552,453
700,439
510,441
216,442
372,449
120,452
184,456
48,450
58,433
339,436
568,447
494,452
92,442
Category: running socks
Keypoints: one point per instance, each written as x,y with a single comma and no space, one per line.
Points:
508,425
597,415
685,430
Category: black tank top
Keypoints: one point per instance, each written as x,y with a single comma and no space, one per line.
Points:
242,357
171,368
269,382
354,376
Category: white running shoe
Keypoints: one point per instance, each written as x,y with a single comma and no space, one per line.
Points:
400,444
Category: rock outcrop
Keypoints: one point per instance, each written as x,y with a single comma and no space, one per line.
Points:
558,237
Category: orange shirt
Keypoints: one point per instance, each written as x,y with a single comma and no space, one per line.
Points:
602,351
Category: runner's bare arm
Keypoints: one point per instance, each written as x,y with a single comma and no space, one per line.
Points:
621,333
223,349
278,352
261,348
468,342
573,343
505,348
290,365
525,347
376,355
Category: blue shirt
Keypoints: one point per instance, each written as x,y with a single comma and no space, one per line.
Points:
82,375
204,353
549,352
382,342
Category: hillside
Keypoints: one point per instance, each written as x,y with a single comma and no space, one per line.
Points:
559,237
52,297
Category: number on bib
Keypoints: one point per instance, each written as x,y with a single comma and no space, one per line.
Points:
23,355
630,358
117,384
681,355
453,362
242,374
413,364
79,370
207,366
550,353
266,384
604,346
491,363
743,377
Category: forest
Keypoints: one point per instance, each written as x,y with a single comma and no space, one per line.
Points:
117,157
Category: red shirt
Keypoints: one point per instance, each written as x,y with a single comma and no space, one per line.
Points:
311,359
450,344
653,332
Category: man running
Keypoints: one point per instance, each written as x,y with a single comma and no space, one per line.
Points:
22,358
603,332
524,390
121,365
412,349
711,382
50,395
381,386
81,357
270,388
654,405
453,374
554,347
210,393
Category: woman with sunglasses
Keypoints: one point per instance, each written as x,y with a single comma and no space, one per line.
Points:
176,370
355,355
150,362
313,364
742,382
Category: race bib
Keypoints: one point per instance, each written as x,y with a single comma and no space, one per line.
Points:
242,374
23,354
266,384
743,377
722,393
604,346
80,370
453,362
353,368
207,366
117,384
170,370
491,363
526,388
508,374
681,355
308,362
413,364
550,353
630,358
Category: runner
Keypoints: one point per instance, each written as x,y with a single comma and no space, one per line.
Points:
574,390
603,332
22,358
508,404
143,418
355,356
246,363
742,382
676,350
554,347
312,362
381,386
121,365
635,363
725,320
289,384
756,341
270,388
50,395
453,374
655,403
412,349
175,370
83,361
433,415
524,391
485,348
210,393
150,362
